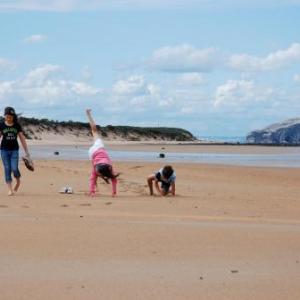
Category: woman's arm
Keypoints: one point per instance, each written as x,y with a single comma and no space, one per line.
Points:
23,142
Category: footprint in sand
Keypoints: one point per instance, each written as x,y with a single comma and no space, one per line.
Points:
3,206
25,206
108,203
136,167
86,204
134,187
64,205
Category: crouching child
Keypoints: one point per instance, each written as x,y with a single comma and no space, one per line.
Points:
164,181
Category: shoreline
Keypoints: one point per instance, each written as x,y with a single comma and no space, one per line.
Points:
177,146
169,154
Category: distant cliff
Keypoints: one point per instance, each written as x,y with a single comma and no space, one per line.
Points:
40,129
285,133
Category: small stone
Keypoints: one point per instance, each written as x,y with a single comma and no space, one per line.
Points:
201,278
234,271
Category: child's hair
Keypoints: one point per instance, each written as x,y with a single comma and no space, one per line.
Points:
106,171
167,171
11,111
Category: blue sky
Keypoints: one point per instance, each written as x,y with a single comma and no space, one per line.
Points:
215,69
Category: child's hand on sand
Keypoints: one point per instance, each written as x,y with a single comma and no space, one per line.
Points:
92,194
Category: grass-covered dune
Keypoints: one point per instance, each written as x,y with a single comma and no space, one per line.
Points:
37,129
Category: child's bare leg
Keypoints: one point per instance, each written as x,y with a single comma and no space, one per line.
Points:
92,124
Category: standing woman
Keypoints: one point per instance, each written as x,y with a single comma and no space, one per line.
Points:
10,130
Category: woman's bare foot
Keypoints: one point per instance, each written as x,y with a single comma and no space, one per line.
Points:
10,190
17,185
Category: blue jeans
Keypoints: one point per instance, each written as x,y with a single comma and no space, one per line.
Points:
10,159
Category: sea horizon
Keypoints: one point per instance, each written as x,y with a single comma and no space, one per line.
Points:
223,138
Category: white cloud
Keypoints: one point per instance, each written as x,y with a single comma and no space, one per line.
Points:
154,90
185,58
190,79
43,86
6,88
7,65
240,94
71,5
134,86
166,101
39,5
40,75
135,94
297,78
83,89
35,38
275,60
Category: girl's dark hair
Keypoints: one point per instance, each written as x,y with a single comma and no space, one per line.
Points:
11,111
167,171
106,171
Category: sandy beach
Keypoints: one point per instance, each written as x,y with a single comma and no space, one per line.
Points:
230,233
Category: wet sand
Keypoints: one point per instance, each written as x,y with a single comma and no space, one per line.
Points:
230,233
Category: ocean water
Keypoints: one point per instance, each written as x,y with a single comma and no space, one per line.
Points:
80,153
224,139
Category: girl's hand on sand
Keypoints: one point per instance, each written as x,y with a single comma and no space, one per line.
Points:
92,194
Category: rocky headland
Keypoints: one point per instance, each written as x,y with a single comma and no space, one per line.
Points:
284,133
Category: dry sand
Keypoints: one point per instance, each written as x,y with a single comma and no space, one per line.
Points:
230,233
